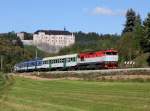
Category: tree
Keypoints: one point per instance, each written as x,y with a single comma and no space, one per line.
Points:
130,21
19,42
145,42
126,48
138,34
131,36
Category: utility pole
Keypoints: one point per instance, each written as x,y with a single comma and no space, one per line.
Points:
36,53
1,63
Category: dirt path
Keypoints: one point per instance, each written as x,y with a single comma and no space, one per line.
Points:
40,78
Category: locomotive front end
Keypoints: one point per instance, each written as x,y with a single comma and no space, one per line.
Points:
111,59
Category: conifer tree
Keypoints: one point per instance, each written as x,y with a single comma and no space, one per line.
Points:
145,42
138,33
130,21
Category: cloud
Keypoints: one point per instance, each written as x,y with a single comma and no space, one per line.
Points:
107,11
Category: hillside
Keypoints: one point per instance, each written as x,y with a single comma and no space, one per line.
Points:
66,95
35,50
12,51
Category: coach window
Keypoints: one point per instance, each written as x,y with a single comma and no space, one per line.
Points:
39,63
74,59
60,60
34,63
69,59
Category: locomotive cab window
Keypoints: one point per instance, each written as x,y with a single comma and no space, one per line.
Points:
111,53
115,53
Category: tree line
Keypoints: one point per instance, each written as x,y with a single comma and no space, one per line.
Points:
135,35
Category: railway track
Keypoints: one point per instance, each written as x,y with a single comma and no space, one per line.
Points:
93,71
102,71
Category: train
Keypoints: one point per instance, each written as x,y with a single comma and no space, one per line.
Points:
104,59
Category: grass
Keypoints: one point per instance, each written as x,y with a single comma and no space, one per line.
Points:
6,83
67,95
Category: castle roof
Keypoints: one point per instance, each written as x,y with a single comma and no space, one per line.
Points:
53,32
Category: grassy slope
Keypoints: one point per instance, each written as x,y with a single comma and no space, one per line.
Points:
65,95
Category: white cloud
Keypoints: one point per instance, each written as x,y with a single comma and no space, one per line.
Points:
107,11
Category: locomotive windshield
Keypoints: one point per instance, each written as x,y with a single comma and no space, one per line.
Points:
111,53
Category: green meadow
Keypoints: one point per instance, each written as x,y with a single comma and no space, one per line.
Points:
67,95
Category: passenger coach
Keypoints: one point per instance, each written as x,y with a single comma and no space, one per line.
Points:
106,59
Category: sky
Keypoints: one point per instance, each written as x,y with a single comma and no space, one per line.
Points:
101,16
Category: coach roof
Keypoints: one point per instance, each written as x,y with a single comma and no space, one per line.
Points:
54,32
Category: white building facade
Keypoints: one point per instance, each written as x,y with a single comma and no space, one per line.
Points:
21,35
53,40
